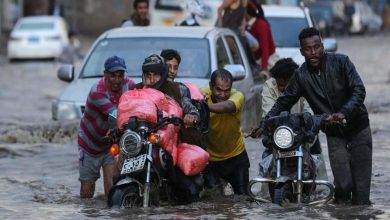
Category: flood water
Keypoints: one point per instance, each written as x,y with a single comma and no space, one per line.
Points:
39,158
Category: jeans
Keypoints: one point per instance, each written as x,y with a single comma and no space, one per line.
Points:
351,163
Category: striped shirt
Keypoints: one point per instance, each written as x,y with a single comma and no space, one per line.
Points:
94,123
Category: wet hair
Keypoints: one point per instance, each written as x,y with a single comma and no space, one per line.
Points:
255,10
284,69
308,32
169,54
221,73
136,2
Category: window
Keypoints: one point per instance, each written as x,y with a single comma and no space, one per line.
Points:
285,30
193,51
222,56
173,5
36,26
235,51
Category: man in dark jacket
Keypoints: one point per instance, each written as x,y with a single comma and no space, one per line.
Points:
331,85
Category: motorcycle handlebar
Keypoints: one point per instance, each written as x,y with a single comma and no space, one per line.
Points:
168,120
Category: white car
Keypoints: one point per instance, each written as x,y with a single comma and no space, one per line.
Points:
37,37
173,12
364,19
286,24
203,50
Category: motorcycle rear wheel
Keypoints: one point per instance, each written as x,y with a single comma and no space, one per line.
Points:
125,197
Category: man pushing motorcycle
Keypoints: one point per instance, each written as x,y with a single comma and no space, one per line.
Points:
331,85
102,102
225,141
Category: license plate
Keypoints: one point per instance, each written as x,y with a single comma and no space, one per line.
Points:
288,154
33,40
133,164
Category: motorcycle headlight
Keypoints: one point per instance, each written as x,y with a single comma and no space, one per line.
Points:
130,143
284,137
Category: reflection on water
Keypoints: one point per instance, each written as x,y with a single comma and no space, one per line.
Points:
40,180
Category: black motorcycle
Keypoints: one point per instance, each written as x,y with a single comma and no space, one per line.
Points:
143,179
290,170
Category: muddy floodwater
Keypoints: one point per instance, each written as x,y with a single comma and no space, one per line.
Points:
38,156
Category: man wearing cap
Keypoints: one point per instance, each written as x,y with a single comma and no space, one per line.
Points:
102,102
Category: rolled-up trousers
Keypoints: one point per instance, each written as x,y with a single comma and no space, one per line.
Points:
351,162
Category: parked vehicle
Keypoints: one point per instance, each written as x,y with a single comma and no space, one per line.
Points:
170,13
327,20
286,24
203,50
364,19
37,37
290,171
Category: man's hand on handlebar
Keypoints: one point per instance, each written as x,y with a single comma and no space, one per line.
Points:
339,118
112,135
255,133
335,118
190,120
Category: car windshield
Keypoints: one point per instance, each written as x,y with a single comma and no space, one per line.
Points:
321,12
36,26
285,31
193,51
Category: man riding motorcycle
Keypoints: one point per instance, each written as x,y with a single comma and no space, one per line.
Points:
154,75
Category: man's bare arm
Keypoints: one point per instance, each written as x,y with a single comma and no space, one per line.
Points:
223,107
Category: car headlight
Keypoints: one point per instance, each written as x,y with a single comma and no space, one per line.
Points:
64,110
284,137
130,143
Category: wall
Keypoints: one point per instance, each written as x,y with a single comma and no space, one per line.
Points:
93,17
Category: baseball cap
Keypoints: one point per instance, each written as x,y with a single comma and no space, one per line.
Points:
114,64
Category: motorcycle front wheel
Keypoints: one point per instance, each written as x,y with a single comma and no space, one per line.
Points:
124,197
283,194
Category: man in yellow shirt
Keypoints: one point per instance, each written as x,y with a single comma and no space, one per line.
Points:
225,140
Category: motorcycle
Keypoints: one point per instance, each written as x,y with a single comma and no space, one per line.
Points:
290,170
143,175
153,166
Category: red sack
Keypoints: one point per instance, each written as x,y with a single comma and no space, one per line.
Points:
196,93
169,107
140,103
191,159
140,107
168,140
143,103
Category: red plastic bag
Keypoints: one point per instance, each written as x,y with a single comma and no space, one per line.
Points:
196,93
191,159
